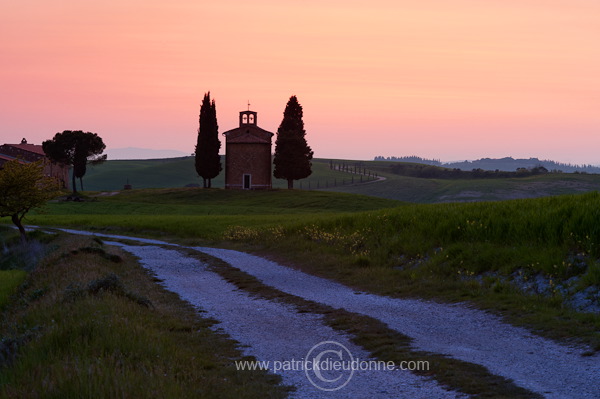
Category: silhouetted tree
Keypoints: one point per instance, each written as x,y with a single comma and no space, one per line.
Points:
24,186
292,154
75,148
208,161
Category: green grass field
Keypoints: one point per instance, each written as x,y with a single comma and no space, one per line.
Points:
201,214
451,252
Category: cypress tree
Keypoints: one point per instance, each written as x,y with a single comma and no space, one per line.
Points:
293,156
208,161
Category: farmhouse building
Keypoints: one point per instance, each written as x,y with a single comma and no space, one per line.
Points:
27,153
248,155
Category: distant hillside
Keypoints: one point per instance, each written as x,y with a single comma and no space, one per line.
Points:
508,164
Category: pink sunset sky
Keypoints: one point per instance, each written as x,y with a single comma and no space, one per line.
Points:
446,79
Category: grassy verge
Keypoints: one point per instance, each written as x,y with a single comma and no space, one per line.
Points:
92,323
9,281
15,259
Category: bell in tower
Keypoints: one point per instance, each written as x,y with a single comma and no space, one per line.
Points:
247,118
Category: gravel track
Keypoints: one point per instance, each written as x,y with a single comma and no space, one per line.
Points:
540,365
272,331
535,363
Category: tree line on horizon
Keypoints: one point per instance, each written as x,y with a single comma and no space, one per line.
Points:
507,164
438,172
292,157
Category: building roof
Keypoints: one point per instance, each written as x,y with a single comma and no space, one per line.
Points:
248,134
34,148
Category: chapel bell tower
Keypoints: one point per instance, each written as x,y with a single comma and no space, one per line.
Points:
247,118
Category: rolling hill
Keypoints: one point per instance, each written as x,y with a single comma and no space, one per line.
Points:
179,172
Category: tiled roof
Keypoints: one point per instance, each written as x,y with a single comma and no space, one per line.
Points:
36,149
257,131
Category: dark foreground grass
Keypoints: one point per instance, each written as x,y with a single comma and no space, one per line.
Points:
92,323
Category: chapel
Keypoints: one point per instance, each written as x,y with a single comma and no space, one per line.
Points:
248,155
